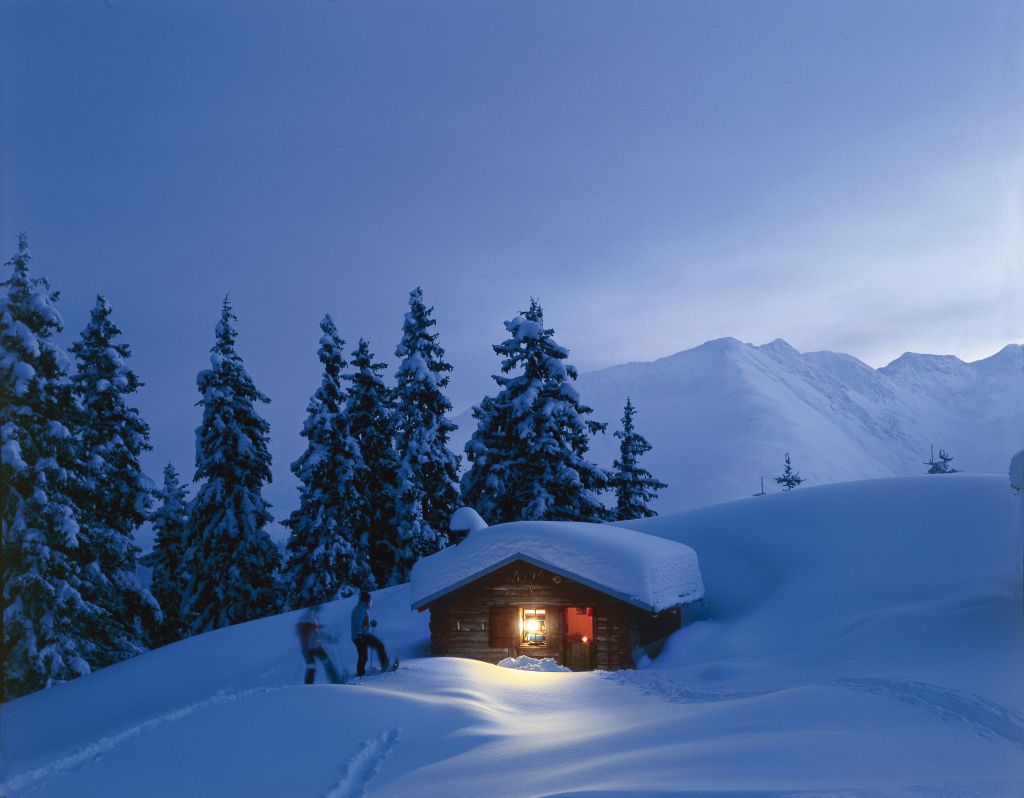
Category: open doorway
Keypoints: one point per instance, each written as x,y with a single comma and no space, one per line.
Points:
579,638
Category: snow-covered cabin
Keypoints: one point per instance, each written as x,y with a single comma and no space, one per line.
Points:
589,595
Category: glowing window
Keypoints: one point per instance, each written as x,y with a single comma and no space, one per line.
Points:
533,627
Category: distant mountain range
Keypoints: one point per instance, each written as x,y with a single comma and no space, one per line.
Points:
723,414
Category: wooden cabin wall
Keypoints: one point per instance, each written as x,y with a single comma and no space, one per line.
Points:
651,630
461,622
613,637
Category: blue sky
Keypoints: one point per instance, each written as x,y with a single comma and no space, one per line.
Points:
846,176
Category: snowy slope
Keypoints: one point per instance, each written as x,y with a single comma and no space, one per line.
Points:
864,639
722,415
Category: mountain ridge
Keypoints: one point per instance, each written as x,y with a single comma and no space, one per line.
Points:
723,414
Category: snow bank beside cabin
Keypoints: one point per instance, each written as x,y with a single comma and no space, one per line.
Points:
646,571
525,663
911,579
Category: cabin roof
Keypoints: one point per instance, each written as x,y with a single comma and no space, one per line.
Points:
640,569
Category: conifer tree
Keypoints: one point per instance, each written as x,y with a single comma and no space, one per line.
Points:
112,493
230,560
790,479
326,553
170,523
47,622
528,453
369,421
427,491
635,488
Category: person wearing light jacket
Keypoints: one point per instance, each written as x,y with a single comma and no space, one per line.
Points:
363,638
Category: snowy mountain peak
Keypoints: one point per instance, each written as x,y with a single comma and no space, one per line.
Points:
780,347
726,342
1011,354
712,348
916,362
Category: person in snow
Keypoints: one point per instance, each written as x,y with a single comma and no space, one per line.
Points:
312,638
363,638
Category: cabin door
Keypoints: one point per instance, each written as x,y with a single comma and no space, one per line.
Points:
579,638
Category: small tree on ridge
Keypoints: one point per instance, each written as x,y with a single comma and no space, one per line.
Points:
790,479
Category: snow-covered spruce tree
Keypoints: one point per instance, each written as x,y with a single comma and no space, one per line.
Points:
635,488
790,479
528,453
368,415
230,561
170,523
427,482
326,553
112,493
47,623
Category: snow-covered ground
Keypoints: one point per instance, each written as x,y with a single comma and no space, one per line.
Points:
865,639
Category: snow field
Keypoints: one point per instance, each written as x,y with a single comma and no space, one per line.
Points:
863,640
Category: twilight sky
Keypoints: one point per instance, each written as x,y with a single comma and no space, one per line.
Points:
844,175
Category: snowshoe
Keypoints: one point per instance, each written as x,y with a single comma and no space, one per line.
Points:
390,669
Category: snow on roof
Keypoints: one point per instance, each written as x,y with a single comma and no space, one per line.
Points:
646,571
466,519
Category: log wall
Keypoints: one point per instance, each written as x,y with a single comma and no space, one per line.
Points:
474,621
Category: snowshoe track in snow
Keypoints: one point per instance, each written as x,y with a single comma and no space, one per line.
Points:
364,765
991,720
666,689
97,749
